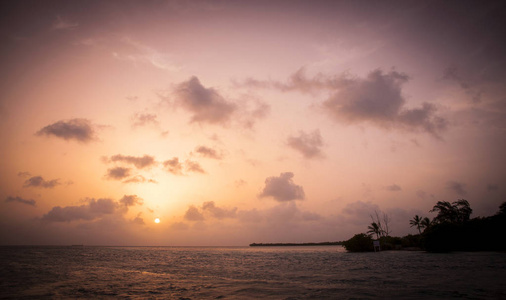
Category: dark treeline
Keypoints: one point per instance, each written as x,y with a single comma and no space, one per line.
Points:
451,230
295,244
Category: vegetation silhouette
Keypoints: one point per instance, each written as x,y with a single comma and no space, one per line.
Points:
451,230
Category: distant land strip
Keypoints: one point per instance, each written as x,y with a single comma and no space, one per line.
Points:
295,244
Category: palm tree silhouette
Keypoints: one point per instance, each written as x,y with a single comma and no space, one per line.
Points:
417,221
374,228
425,223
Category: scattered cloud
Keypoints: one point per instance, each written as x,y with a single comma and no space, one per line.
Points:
375,99
217,212
141,119
282,188
93,209
24,174
359,213
455,74
75,129
457,187
118,173
30,202
143,54
193,214
205,104
208,152
393,188
139,162
173,166
308,144
38,181
192,166
131,200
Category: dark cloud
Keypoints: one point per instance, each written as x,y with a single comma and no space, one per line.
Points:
457,187
24,174
393,188
118,173
90,211
282,188
217,212
173,166
193,214
205,104
378,99
93,209
140,119
38,181
375,99
75,129
192,166
139,162
208,152
20,200
308,144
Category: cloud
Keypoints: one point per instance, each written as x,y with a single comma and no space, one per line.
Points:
131,200
118,173
140,119
24,174
139,162
139,179
75,129
38,181
92,210
393,188
173,166
30,202
376,99
205,104
192,166
208,152
193,214
282,188
457,187
217,212
359,213
454,74
63,24
308,144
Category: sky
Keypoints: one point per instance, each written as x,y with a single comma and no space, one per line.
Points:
235,122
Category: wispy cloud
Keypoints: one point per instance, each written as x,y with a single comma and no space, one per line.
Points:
208,152
30,202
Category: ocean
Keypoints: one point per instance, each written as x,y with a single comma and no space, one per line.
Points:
313,272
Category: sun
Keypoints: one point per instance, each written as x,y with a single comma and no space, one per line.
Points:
157,220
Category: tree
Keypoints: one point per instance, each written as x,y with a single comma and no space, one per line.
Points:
374,228
359,243
425,223
417,221
455,212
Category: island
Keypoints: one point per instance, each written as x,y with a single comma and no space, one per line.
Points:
295,244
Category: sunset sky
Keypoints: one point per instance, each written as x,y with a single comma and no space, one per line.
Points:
245,121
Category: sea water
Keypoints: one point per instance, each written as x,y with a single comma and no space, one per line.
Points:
317,272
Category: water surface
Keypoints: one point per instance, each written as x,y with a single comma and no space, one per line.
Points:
314,272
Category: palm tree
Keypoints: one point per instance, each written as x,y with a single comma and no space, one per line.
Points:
374,228
456,212
417,221
425,223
